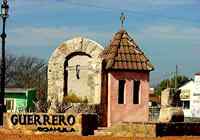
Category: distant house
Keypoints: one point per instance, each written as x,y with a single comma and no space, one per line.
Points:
190,97
19,100
186,94
195,100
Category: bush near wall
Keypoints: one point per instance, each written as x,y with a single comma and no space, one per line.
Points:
73,98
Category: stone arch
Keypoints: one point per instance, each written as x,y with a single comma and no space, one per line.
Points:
57,60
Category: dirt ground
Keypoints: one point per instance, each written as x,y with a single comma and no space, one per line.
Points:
13,135
62,137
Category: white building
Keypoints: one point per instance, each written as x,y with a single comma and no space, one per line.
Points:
186,93
190,97
195,101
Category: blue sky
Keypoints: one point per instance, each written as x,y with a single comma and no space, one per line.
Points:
168,31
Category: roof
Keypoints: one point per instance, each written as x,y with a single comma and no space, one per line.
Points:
17,90
124,54
187,85
198,73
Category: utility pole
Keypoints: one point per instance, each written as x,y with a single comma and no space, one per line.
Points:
171,80
175,80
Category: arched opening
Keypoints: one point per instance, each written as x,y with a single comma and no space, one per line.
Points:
59,81
75,67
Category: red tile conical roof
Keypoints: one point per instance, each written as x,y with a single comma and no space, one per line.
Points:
124,54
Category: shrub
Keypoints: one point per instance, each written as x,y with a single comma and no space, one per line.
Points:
73,98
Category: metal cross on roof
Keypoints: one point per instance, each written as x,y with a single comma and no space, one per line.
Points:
5,1
122,18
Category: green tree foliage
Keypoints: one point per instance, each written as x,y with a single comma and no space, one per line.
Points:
181,79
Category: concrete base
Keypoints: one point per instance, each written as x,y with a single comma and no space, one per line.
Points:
151,129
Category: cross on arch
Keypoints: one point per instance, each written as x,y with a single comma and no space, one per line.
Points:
122,19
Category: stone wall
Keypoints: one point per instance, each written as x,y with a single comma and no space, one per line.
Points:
56,67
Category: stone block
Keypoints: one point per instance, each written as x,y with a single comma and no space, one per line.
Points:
171,114
56,67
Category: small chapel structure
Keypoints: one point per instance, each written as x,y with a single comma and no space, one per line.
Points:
125,81
115,78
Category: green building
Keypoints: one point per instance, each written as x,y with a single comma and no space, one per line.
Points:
19,100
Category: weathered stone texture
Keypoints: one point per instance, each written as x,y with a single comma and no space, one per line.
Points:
169,112
56,65
166,97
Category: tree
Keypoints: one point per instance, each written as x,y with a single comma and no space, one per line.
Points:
27,72
181,79
10,61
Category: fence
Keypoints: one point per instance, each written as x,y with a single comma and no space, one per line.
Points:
154,113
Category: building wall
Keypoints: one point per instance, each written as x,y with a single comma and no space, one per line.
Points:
195,100
31,97
22,101
19,100
89,81
127,112
186,95
21,105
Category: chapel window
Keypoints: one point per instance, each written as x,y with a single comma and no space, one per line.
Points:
136,91
121,91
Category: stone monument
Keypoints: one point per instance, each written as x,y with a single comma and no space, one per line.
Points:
75,68
170,110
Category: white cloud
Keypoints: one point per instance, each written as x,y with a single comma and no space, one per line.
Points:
171,2
135,5
171,32
49,36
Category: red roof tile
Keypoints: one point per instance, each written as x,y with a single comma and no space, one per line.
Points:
123,53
